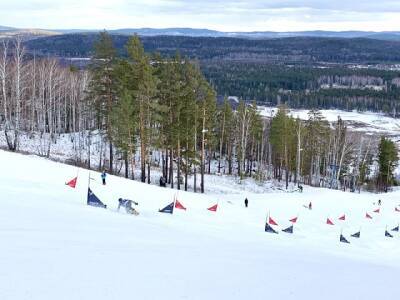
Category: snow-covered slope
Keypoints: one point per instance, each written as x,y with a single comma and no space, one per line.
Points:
54,246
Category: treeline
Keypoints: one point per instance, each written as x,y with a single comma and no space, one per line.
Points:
316,154
38,95
284,50
271,71
302,86
160,113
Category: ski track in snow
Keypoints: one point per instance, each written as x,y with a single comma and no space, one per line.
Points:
54,246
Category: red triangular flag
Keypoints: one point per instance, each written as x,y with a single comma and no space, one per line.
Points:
377,210
396,209
213,208
368,216
179,205
294,220
72,182
272,222
329,222
342,218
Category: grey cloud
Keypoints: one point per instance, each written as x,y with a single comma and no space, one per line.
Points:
219,6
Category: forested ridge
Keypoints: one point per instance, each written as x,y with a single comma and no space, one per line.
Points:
298,49
300,72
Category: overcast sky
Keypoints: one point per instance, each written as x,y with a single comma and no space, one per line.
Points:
229,15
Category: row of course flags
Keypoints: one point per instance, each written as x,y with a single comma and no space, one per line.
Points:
169,209
271,222
93,200
358,234
367,216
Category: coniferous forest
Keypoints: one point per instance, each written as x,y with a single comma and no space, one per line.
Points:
302,72
160,112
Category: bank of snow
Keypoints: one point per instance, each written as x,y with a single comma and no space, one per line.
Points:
53,246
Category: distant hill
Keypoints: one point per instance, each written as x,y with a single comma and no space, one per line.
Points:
193,32
27,33
3,28
288,50
394,36
171,32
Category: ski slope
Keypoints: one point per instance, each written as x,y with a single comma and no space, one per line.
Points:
54,246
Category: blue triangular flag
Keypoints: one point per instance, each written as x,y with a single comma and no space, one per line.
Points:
269,229
343,239
93,200
169,209
288,230
387,234
356,235
396,228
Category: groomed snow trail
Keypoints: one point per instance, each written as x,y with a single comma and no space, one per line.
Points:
54,246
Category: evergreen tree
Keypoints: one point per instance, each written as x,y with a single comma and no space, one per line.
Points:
317,130
144,97
387,160
103,85
124,123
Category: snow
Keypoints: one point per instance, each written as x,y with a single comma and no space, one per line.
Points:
74,147
54,246
358,121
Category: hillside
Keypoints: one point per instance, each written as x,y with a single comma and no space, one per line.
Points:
286,70
60,248
299,49
203,32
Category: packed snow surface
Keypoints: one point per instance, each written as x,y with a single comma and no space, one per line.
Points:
54,246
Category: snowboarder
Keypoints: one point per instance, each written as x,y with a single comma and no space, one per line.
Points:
300,188
379,202
310,206
127,204
246,202
103,177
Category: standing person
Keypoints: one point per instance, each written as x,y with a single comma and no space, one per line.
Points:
310,206
103,177
246,202
379,202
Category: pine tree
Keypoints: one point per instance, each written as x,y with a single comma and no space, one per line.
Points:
256,131
225,124
124,123
284,143
317,131
103,88
144,97
387,160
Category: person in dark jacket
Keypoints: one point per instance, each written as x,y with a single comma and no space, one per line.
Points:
246,202
163,182
103,177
